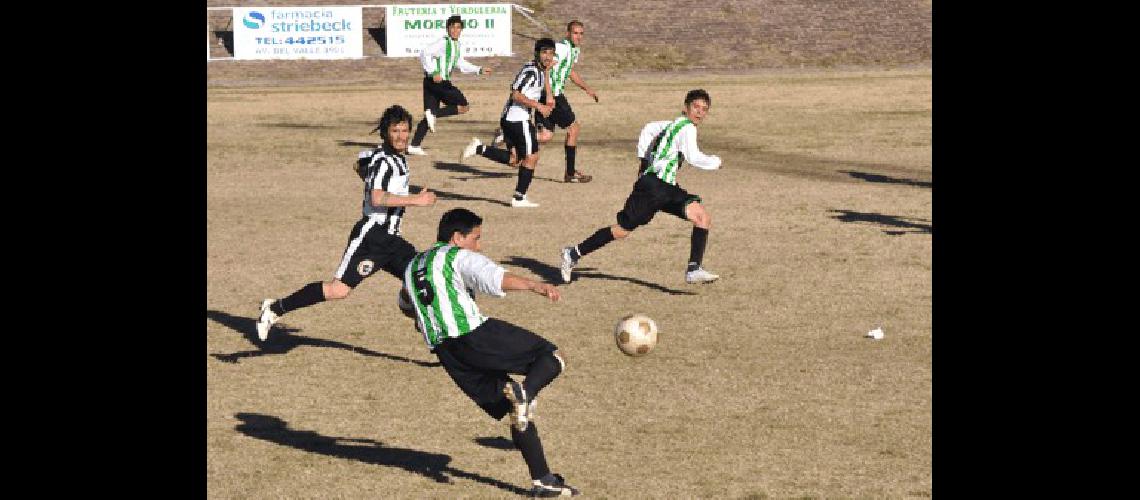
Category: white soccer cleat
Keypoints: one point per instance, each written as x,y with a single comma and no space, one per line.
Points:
471,149
265,320
523,203
700,275
499,139
568,264
416,150
430,119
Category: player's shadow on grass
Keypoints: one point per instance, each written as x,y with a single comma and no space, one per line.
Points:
496,442
302,126
885,220
886,179
447,195
431,465
369,145
483,174
553,275
283,339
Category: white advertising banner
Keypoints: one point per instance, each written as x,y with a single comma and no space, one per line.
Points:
298,33
486,28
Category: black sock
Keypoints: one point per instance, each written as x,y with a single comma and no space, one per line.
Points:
541,373
421,132
494,154
596,241
525,175
531,447
310,294
570,159
697,247
446,111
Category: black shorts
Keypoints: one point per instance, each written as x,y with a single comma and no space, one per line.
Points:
651,195
562,115
520,137
375,249
480,361
442,91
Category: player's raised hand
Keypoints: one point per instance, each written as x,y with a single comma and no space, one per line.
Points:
426,198
593,94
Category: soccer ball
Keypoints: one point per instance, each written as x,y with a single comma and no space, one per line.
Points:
636,334
404,302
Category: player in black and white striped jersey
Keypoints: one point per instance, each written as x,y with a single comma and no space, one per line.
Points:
529,84
375,241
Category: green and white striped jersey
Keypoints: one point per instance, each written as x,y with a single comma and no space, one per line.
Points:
677,145
442,282
565,56
444,55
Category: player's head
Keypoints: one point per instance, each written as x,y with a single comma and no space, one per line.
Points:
697,104
460,227
394,126
574,31
454,27
544,52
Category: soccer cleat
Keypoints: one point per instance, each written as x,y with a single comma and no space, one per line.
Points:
555,488
519,405
416,150
471,149
430,119
579,177
700,275
499,139
568,263
523,203
265,320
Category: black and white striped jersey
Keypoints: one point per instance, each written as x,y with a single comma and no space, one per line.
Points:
388,171
530,81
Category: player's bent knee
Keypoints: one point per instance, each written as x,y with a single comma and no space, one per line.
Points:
336,290
462,109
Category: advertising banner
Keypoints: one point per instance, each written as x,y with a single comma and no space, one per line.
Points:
298,33
486,28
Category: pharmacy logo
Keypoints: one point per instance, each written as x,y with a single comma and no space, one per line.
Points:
253,20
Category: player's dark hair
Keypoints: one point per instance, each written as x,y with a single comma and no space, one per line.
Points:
454,20
570,25
542,44
457,220
394,114
697,94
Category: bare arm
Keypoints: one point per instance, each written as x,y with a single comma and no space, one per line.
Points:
515,282
582,84
531,103
382,198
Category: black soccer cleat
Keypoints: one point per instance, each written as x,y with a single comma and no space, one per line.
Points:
555,488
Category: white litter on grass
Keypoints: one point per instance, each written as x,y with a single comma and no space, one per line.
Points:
876,334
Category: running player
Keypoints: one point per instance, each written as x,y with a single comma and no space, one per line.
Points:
375,241
566,55
438,60
656,190
529,84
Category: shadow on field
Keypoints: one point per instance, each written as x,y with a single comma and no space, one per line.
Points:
445,195
431,465
553,275
496,442
368,145
282,340
303,126
484,174
886,179
886,220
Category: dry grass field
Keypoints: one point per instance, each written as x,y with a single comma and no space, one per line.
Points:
762,385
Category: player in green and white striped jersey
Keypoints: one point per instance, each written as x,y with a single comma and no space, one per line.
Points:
479,352
566,56
663,148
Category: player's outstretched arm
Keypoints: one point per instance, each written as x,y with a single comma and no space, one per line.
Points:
382,198
515,282
582,84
